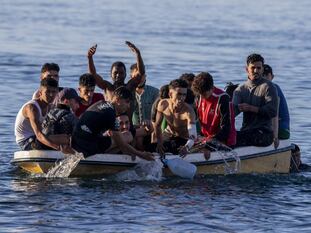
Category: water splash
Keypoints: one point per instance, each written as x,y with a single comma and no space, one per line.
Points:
64,167
150,170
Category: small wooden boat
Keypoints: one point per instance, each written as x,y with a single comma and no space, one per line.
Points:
242,160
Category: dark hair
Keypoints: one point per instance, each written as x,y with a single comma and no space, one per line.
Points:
202,82
188,77
163,93
178,83
267,70
118,64
251,59
87,80
189,97
123,93
48,82
295,149
230,88
49,67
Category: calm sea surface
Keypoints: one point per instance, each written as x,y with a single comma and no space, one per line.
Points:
174,37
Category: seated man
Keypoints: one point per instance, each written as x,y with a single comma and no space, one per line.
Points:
88,135
48,70
61,119
180,133
283,117
132,135
88,97
145,96
257,99
28,132
214,110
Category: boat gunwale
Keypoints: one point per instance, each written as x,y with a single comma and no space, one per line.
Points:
131,164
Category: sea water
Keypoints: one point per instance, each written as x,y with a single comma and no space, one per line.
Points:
174,37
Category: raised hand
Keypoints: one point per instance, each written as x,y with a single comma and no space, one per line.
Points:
91,51
132,47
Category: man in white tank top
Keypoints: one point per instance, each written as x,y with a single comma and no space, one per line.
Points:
28,131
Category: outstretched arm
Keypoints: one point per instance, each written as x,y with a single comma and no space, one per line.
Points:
100,82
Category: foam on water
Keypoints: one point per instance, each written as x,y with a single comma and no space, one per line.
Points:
151,170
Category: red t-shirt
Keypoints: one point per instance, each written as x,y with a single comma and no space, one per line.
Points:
82,108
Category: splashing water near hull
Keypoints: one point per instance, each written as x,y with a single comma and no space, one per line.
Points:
63,168
151,170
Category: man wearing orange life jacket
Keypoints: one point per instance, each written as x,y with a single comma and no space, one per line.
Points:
214,109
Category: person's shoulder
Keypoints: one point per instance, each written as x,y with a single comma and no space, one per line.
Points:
152,88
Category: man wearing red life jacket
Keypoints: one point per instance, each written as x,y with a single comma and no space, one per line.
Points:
214,109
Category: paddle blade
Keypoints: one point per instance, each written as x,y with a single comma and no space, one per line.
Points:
181,167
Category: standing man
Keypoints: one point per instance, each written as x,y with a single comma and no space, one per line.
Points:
88,136
214,109
257,99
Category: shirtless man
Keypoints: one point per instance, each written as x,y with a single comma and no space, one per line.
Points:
28,129
118,73
180,133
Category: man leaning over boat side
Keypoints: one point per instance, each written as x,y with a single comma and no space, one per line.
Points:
257,99
88,136
214,110
180,133
28,130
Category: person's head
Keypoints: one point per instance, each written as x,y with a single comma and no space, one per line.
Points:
118,72
254,66
188,77
124,122
50,70
121,99
268,72
70,97
48,89
203,85
178,91
87,87
163,92
296,158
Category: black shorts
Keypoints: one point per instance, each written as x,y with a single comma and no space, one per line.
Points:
32,143
91,146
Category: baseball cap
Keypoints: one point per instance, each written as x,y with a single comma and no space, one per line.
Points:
68,93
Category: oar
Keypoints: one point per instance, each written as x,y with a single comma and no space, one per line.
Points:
180,167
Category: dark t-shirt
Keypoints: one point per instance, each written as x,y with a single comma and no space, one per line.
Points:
97,119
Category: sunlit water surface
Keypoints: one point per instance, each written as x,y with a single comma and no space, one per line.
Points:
174,37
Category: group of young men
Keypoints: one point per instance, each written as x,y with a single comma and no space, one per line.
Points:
138,119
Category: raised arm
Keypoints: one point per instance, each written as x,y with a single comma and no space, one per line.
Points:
141,76
100,82
31,112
